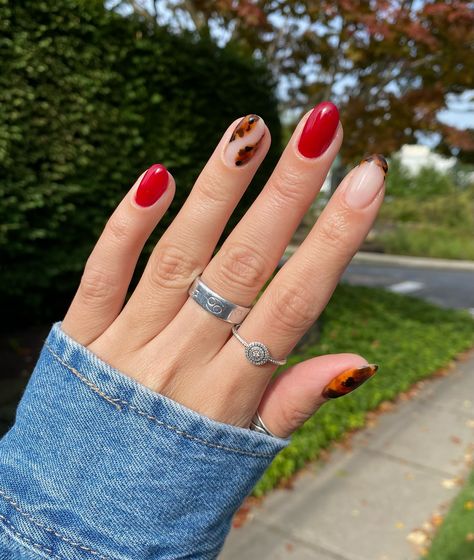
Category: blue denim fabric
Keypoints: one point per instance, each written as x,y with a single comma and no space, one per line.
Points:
99,467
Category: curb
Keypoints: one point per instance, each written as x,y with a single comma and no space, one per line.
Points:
403,260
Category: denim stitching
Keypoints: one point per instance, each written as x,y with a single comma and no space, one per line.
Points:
114,401
14,504
25,539
84,379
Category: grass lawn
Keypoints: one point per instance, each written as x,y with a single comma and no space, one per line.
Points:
408,338
428,240
455,538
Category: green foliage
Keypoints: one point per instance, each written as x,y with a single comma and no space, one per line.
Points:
88,100
455,538
427,240
427,182
426,215
408,338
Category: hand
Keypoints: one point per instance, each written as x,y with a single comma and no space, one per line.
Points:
167,342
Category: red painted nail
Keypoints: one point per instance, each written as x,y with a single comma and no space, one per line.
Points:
152,186
319,130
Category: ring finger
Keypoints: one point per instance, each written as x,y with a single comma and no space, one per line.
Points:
299,292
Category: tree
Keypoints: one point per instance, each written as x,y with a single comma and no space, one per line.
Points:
388,64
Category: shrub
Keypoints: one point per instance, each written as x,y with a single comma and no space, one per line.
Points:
89,99
427,214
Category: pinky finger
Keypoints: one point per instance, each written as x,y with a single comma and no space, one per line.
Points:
294,396
110,266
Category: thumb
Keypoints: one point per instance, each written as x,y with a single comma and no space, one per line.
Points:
299,391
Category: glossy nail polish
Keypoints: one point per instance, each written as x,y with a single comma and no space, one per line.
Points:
348,380
153,184
244,141
319,130
366,181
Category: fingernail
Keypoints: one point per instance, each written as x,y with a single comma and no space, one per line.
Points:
152,186
319,130
245,140
366,181
348,380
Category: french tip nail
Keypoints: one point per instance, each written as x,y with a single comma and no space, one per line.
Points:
379,160
366,182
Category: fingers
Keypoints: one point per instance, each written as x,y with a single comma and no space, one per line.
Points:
301,289
110,267
188,244
299,391
251,252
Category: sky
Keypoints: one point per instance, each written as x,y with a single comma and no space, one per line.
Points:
460,111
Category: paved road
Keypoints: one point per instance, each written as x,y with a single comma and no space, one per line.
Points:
447,283
449,288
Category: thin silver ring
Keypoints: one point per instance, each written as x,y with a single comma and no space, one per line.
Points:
257,425
256,352
215,304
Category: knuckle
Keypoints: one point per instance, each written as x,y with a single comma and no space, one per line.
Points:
332,231
97,286
173,267
210,189
242,266
118,229
291,308
286,186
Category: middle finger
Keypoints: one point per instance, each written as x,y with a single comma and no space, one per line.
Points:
251,252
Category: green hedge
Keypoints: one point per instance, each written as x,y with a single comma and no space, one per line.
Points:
408,338
88,99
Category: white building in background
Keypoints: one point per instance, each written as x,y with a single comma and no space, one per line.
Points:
413,157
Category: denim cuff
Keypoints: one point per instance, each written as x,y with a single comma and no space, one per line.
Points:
99,466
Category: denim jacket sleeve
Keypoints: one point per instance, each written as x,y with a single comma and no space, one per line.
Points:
98,467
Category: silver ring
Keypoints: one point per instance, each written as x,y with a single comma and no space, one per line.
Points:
215,304
257,425
256,352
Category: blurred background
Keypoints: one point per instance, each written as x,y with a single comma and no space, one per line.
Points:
92,93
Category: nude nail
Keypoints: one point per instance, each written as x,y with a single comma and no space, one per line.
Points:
366,181
245,141
348,380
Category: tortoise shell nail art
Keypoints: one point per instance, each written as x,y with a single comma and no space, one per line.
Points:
348,380
244,141
379,160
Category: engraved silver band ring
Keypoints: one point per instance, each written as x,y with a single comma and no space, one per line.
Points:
215,304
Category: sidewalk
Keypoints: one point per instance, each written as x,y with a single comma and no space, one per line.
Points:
365,502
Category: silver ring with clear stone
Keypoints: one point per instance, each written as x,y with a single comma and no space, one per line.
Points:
256,352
